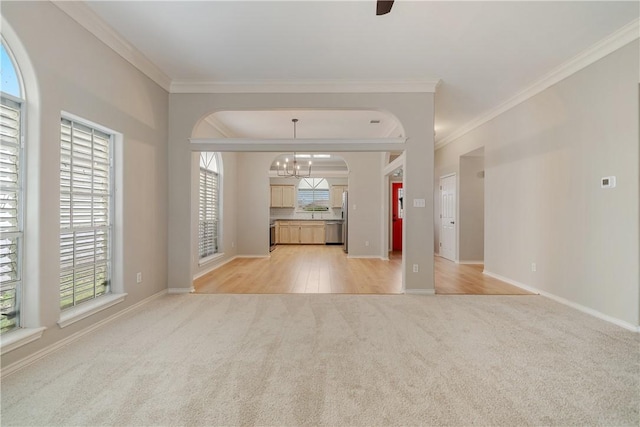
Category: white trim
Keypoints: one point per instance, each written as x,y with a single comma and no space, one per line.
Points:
604,47
8,370
307,144
470,262
89,308
219,126
366,257
208,259
176,291
257,256
398,162
579,307
202,273
306,86
87,18
420,291
19,337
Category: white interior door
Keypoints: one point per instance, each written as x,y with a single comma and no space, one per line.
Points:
448,217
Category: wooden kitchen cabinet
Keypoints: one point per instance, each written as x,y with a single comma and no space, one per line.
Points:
283,233
282,196
300,232
312,233
336,195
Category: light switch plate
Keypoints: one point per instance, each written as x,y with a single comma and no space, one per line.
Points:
418,203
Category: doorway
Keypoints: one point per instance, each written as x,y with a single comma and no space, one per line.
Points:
397,209
448,244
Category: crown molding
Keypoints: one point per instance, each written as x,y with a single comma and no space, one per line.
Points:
604,47
306,86
87,18
219,126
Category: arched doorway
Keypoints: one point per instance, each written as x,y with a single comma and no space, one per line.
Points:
224,129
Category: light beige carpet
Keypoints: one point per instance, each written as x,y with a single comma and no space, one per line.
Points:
337,360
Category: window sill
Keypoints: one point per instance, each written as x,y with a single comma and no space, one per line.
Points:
87,309
210,258
19,337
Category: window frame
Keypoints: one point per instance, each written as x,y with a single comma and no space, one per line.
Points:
218,252
77,311
20,204
19,234
313,189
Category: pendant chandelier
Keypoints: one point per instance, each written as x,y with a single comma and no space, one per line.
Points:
292,169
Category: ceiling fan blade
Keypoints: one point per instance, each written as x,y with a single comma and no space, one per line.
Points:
384,7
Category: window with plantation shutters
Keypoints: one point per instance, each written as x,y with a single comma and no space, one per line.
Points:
208,215
85,213
11,192
10,213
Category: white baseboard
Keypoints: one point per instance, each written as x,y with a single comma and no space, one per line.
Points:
175,291
579,307
15,366
420,291
226,261
470,262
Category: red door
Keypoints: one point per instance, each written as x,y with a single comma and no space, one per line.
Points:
398,214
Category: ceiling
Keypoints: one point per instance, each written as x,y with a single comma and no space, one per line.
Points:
323,124
483,53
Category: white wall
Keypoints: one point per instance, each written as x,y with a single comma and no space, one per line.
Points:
543,202
76,73
471,209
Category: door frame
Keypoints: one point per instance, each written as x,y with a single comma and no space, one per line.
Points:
393,236
455,237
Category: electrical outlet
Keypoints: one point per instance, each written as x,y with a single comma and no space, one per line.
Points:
139,278
366,243
534,267
415,268
233,244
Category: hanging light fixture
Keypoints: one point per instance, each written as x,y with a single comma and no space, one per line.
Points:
292,169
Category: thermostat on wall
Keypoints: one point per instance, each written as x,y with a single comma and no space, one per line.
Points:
608,182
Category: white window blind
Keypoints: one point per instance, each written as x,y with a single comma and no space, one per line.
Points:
10,213
313,194
85,213
208,215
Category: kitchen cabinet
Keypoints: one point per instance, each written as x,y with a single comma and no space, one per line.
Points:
300,232
336,195
282,196
312,232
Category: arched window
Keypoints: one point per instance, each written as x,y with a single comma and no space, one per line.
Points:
313,194
209,205
11,191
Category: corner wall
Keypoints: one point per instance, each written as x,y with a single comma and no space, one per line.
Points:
80,75
543,203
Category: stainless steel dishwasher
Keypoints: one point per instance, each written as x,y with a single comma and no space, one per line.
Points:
333,232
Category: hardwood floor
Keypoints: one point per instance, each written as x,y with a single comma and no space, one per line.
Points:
326,269
305,269
467,279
